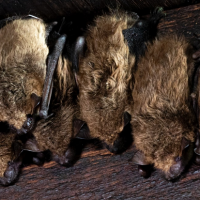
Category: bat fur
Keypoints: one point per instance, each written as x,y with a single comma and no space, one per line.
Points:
55,133
23,68
161,108
105,69
103,76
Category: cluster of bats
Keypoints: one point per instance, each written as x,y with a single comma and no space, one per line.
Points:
119,72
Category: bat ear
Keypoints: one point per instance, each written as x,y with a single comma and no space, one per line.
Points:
81,130
184,143
78,52
139,158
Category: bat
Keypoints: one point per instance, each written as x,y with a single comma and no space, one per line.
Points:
26,87
60,134
104,60
26,79
163,120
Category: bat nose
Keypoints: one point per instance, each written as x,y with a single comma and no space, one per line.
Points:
174,172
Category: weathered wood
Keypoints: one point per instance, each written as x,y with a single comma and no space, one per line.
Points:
101,175
50,10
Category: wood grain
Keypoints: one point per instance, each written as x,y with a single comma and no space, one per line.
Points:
99,174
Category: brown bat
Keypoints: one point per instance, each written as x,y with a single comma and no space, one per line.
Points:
25,78
163,120
60,133
25,83
103,61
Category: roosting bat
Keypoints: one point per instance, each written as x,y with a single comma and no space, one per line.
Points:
163,120
24,80
60,133
103,61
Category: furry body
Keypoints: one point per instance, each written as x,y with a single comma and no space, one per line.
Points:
22,72
6,151
103,77
55,133
161,110
22,68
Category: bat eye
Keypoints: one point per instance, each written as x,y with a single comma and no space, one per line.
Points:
177,159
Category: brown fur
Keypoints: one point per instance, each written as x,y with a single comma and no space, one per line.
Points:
103,77
161,109
6,152
54,134
22,68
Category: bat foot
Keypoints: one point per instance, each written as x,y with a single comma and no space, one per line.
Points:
11,173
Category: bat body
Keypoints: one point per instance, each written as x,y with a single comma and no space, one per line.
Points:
23,68
104,60
55,134
23,75
163,119
26,75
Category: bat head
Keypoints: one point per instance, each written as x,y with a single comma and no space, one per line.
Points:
179,162
167,143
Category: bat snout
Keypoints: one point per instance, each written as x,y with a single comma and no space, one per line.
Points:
175,171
